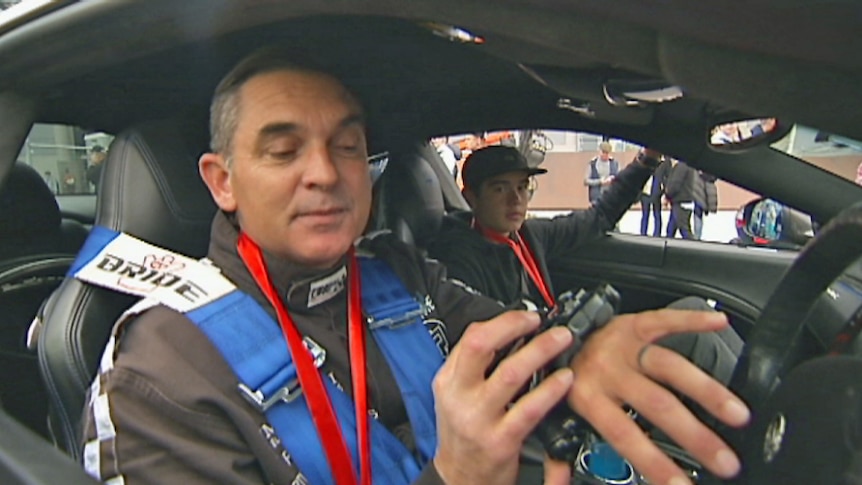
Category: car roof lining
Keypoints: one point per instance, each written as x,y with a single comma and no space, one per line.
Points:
692,63
86,69
79,51
580,36
410,85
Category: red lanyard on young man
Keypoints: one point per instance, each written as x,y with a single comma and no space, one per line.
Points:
525,256
310,380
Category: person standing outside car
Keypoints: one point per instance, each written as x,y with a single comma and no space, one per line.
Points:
706,203
288,172
69,182
446,153
51,181
682,190
94,171
472,142
601,172
651,198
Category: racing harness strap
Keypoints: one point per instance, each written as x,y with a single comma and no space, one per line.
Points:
252,343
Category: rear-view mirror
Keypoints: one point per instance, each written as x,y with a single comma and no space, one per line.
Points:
746,133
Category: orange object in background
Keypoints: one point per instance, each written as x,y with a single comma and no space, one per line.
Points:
492,138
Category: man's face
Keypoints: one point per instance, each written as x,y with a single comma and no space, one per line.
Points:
299,178
501,204
97,157
604,156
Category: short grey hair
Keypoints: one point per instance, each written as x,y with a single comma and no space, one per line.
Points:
225,105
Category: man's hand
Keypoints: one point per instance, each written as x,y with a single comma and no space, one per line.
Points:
480,434
620,365
557,472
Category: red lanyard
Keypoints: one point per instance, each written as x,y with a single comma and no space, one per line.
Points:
528,261
310,379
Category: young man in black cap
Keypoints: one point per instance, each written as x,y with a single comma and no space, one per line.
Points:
500,253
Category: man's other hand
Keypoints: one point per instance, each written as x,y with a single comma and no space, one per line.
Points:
620,365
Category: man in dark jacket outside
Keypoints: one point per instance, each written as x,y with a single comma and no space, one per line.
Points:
681,191
651,198
94,171
706,203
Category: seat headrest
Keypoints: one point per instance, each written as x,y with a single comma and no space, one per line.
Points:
413,198
29,215
151,187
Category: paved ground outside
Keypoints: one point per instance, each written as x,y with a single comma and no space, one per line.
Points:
719,227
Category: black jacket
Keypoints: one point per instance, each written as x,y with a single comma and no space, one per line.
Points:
654,192
494,270
710,193
682,184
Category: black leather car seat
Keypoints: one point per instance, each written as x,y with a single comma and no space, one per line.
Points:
33,261
29,216
410,199
150,188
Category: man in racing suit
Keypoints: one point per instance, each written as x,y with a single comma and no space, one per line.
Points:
170,390
288,171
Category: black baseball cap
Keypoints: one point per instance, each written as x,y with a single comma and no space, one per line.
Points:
491,161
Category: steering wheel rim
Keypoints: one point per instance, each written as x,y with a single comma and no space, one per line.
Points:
773,347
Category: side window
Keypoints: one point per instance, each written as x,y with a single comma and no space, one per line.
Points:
570,160
712,204
69,158
837,154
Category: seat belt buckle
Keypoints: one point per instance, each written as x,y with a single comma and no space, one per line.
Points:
290,390
395,322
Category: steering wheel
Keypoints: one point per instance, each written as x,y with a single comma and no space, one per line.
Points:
774,346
